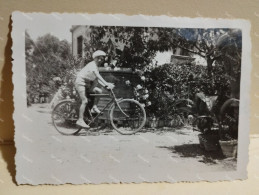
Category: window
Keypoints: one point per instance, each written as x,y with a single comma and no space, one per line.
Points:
79,46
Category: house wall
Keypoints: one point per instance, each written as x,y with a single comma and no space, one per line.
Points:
77,31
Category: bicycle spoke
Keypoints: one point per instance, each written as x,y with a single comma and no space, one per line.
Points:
135,120
63,119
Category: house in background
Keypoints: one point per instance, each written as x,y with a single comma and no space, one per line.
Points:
79,34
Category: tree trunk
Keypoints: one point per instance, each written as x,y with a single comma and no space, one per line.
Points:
209,65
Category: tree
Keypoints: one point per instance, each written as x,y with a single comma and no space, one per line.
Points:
46,58
229,47
136,46
201,42
133,47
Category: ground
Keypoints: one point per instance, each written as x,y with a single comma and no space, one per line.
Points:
107,154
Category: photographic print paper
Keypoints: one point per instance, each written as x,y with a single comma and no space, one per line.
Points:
105,98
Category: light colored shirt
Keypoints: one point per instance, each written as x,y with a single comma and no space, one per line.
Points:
87,73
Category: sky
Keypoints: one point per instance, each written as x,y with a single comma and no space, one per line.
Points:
60,30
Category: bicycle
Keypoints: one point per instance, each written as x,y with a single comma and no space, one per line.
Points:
127,116
207,112
177,111
211,114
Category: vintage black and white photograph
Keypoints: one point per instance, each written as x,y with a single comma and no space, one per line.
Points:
120,99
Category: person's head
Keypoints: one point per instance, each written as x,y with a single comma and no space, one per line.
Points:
99,57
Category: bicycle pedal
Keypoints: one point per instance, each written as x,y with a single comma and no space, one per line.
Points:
94,113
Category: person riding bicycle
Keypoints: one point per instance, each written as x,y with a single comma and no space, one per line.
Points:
86,81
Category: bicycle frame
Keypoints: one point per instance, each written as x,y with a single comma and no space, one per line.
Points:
111,103
67,111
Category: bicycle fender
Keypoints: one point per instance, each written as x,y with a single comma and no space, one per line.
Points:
230,102
70,100
65,100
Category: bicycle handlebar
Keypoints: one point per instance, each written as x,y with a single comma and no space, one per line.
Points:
106,87
110,90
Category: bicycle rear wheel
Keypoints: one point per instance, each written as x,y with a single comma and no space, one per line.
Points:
64,117
128,116
185,116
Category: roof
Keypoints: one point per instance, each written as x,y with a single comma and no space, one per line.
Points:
74,27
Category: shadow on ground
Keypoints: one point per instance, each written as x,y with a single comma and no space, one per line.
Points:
195,151
94,132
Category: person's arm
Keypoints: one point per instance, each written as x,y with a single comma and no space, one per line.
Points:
102,81
100,78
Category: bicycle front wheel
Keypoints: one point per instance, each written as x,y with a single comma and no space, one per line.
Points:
64,117
128,116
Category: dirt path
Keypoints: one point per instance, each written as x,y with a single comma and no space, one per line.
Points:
92,155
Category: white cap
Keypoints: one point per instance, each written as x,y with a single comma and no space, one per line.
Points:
98,53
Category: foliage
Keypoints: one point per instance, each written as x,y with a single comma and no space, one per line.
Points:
202,42
49,63
230,52
182,82
133,47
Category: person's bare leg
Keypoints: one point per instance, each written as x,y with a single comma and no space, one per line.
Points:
84,102
82,108
96,90
97,98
